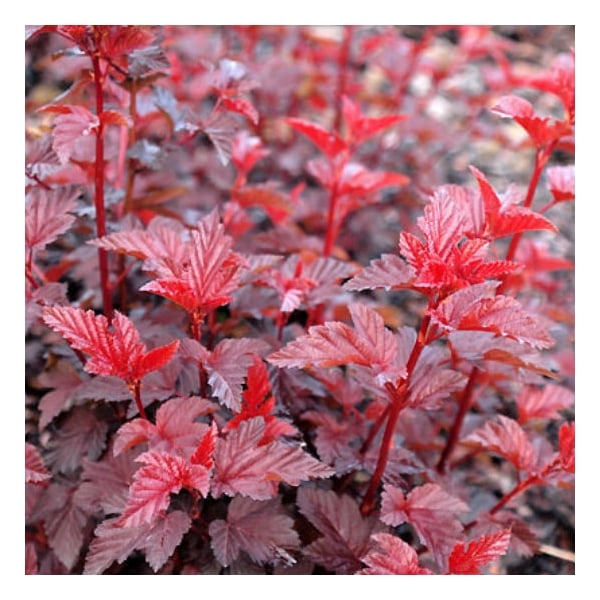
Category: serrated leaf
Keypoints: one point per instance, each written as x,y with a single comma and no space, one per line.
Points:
242,466
389,272
175,431
211,273
431,511
261,529
479,308
345,532
369,344
69,128
118,352
166,534
504,219
504,436
35,470
161,246
541,130
543,403
64,522
81,434
468,558
162,474
104,485
112,543
391,556
47,215
430,382
227,365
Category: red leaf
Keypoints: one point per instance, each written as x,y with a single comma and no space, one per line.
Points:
64,522
561,181
368,344
468,558
345,532
162,474
257,399
111,543
356,180
246,152
244,467
47,215
212,273
241,106
430,382
479,308
431,511
566,444
69,128
160,245
80,435
504,218
505,437
541,130
543,403
389,272
203,455
175,431
166,534
261,529
119,352
391,556
116,40
361,127
104,484
35,471
271,201
330,143
227,365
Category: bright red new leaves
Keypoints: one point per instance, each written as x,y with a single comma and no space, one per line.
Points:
211,274
163,474
468,558
117,352
542,131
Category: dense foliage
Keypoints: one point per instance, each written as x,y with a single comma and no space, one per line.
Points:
299,300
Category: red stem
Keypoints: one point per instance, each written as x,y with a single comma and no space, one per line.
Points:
398,394
463,409
135,389
332,228
374,430
99,189
541,158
